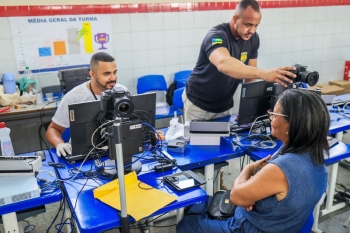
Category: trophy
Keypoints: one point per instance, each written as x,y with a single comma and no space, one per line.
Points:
101,38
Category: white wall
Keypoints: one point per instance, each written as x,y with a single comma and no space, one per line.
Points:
164,43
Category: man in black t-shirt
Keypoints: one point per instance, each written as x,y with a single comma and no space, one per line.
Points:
228,54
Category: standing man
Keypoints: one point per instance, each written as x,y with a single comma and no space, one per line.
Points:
103,73
228,54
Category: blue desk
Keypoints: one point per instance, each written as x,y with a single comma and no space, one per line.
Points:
8,212
200,156
94,216
337,153
339,123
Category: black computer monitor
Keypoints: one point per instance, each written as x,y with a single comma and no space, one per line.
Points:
256,99
86,117
145,108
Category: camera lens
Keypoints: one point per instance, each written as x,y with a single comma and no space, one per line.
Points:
124,107
312,78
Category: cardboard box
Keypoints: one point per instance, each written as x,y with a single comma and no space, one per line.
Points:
346,70
342,83
327,89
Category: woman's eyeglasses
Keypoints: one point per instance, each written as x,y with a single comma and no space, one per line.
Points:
273,114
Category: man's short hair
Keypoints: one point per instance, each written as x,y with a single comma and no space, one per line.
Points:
244,4
100,56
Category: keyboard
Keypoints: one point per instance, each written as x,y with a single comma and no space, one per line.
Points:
341,100
259,127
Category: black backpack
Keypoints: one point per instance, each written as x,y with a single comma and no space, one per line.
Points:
170,93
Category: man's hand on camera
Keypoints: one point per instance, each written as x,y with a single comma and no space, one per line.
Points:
63,149
279,75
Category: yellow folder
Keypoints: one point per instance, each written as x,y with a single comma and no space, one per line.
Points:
141,199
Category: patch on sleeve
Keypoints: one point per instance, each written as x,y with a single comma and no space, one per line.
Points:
216,41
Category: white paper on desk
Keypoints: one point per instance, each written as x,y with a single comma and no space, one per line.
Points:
141,199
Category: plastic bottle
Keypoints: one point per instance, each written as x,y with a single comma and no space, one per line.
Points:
6,147
27,82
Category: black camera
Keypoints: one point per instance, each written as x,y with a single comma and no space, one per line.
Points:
305,76
118,101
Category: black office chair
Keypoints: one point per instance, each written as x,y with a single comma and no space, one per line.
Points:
56,89
71,78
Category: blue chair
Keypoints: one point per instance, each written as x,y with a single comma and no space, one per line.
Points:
308,224
66,135
155,82
152,82
178,105
181,77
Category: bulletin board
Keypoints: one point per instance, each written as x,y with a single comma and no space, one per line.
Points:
49,43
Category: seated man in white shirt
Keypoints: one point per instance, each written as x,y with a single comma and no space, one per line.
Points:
103,72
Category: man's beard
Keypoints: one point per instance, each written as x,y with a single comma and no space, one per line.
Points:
105,87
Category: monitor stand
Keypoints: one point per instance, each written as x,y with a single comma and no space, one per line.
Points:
110,166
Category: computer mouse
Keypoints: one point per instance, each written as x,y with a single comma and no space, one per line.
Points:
41,154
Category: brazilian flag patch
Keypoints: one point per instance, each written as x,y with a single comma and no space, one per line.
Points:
216,41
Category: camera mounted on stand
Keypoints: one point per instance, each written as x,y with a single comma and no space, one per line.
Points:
118,102
257,97
117,106
303,76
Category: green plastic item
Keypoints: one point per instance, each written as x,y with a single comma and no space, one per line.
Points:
24,83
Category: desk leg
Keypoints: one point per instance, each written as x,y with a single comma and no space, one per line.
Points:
346,223
316,214
331,188
339,136
10,222
209,178
179,214
150,225
330,192
217,184
68,214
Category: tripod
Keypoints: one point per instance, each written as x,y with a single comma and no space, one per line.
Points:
116,136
